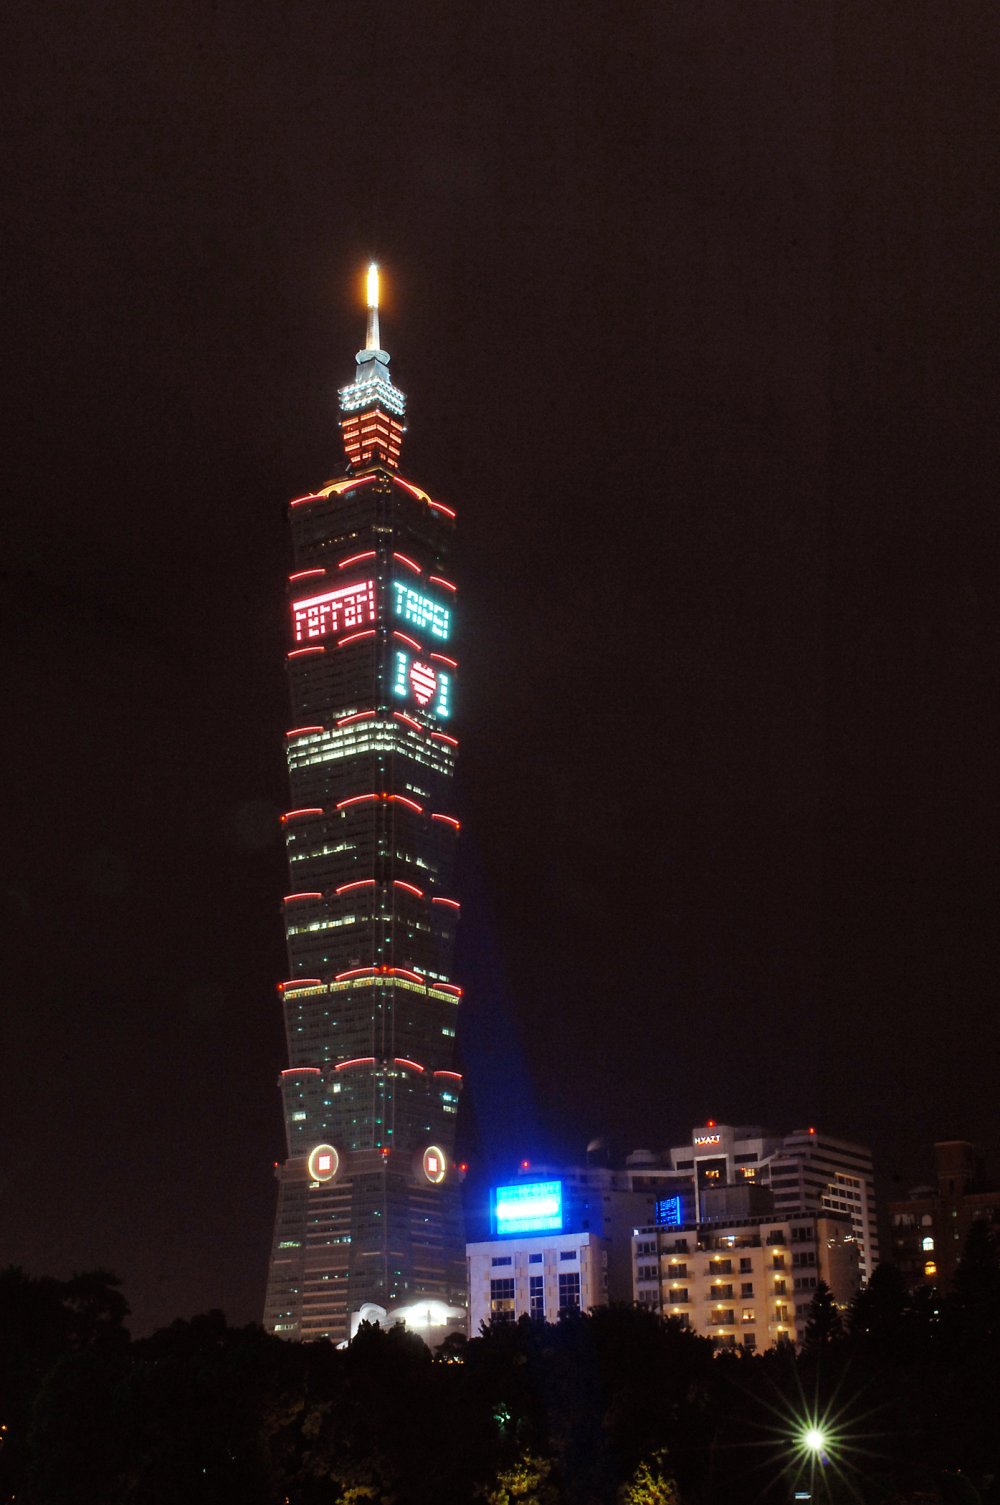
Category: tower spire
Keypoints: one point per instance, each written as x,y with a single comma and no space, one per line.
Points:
372,336
372,406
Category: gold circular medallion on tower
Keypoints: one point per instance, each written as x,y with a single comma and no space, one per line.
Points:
435,1164
323,1163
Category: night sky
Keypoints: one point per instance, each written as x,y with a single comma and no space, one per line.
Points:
696,308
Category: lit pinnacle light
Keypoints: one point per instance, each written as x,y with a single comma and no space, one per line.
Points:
372,335
369,1216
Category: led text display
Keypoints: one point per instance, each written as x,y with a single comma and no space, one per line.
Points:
422,612
422,684
334,611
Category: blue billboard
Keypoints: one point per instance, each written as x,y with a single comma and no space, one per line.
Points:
668,1212
528,1207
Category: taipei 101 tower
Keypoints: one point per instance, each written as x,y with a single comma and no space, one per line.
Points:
369,1214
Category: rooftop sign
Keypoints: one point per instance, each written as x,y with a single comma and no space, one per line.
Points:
532,1207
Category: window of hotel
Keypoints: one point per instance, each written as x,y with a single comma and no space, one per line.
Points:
536,1295
569,1290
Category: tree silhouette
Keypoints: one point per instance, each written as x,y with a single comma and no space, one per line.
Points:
824,1325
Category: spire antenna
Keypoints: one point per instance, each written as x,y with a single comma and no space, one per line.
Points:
372,337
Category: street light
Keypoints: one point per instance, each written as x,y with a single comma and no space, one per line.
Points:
814,1440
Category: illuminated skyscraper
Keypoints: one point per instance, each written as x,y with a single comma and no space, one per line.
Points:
369,1212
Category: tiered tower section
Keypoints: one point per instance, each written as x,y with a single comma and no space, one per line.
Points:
369,1211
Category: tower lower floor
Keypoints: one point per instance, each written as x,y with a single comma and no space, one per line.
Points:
364,1233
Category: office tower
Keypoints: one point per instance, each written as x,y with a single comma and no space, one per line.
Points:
369,1214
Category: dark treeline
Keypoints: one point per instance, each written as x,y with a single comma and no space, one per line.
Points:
616,1408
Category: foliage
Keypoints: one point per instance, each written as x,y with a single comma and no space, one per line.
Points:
650,1485
526,1481
581,1412
823,1322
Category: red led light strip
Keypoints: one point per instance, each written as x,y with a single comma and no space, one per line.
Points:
304,575
456,1076
299,982
423,497
408,720
354,972
410,642
355,637
346,888
404,1061
300,731
442,658
301,652
449,820
447,987
357,716
290,897
410,888
355,559
443,737
410,564
451,903
306,810
357,1061
440,580
301,1071
399,799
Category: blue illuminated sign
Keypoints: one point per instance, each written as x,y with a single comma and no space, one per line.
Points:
668,1212
535,1207
421,611
417,681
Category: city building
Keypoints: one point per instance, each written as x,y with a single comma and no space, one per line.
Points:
930,1227
805,1171
608,1202
727,1182
540,1262
744,1280
369,1212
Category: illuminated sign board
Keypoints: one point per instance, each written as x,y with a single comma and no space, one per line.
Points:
422,612
668,1212
415,680
701,1139
534,1207
435,1166
334,611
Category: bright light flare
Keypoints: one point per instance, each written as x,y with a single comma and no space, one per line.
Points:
814,1440
373,285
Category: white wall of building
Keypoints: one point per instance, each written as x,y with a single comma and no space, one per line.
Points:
528,1269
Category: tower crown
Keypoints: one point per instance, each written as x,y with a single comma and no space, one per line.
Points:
372,406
